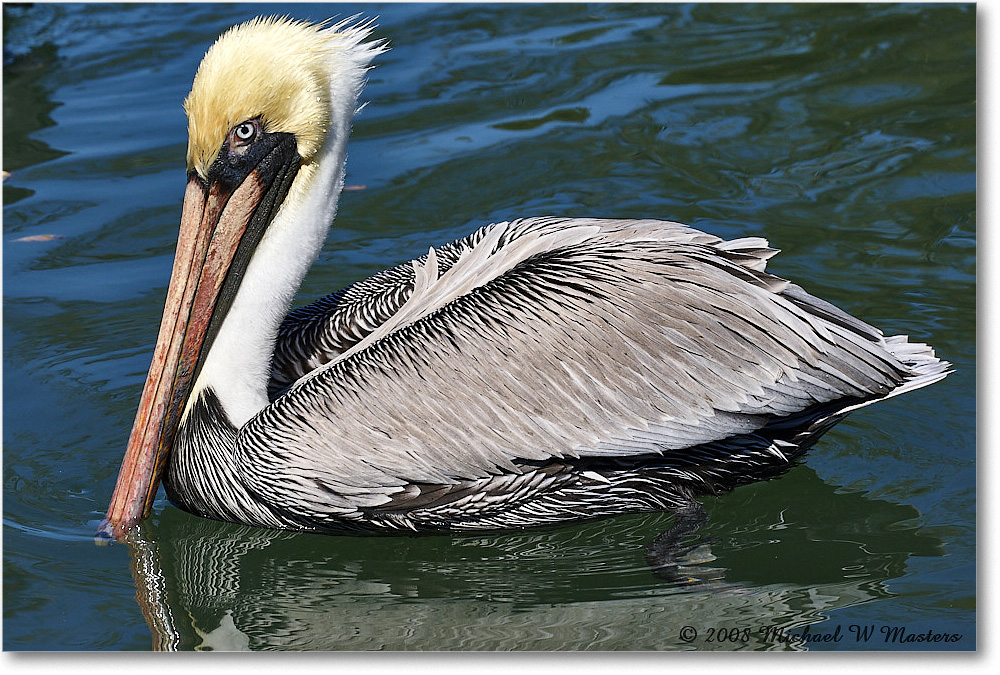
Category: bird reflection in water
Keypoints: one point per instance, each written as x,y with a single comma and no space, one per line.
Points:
203,584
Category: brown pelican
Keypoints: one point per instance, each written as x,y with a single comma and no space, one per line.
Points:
538,371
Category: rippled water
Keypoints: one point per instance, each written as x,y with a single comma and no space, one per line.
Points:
844,134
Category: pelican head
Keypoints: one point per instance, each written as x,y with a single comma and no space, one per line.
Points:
269,113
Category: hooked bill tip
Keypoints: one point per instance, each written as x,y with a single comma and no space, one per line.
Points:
105,534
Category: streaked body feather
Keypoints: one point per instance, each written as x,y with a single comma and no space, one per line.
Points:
538,372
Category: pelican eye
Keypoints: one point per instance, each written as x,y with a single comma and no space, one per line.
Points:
244,134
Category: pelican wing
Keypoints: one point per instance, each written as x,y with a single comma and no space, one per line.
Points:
316,334
548,339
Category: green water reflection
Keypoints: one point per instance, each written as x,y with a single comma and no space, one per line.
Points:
211,586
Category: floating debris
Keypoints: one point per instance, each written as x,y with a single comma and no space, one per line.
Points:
41,237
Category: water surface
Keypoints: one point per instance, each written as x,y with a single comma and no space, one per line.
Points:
844,134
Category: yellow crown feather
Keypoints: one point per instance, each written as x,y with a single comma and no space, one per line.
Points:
275,69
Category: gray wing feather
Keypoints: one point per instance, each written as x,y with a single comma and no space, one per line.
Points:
317,333
566,338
